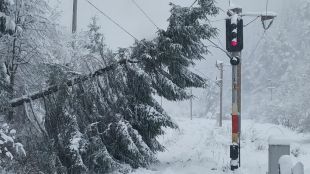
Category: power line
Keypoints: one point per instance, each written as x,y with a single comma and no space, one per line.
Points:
113,21
145,14
267,2
218,39
251,21
193,4
257,44
204,76
218,47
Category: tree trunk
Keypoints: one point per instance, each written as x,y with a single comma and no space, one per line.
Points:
11,95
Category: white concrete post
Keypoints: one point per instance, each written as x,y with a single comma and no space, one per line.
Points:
298,168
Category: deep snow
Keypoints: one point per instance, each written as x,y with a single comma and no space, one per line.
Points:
200,147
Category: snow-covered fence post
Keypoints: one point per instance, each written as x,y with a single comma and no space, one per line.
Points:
277,148
298,168
285,165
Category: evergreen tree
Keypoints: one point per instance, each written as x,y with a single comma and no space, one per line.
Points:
114,119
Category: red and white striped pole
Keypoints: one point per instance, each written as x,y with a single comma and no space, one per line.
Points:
234,44
235,147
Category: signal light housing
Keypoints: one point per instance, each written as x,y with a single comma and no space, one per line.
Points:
234,35
234,152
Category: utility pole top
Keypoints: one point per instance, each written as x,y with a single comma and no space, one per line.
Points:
74,17
219,63
234,10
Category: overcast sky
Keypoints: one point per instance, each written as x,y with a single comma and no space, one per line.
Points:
125,13
129,16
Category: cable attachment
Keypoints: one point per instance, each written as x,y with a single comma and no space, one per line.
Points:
265,19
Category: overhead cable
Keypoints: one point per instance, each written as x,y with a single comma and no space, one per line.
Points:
145,14
193,4
257,44
112,20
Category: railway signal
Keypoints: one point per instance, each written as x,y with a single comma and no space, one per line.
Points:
234,45
234,34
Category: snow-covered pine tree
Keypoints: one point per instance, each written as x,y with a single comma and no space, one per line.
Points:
164,62
119,109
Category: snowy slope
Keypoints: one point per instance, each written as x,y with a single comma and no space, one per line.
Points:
199,146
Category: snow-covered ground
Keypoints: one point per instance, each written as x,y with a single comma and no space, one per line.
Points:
199,146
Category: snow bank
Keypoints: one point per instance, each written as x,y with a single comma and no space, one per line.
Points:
199,146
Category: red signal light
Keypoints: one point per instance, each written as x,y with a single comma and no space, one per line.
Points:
233,43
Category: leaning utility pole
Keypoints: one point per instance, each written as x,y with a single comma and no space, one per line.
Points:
74,16
220,66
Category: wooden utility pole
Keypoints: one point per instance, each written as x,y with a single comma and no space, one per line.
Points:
74,17
191,104
271,87
220,66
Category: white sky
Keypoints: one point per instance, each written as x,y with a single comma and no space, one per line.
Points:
125,13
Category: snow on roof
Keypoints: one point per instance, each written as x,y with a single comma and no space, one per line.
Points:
276,140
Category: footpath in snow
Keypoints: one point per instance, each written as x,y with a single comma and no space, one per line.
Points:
200,147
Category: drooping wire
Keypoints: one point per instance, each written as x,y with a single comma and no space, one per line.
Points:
257,44
216,36
218,47
251,21
112,20
145,14
193,3
204,76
